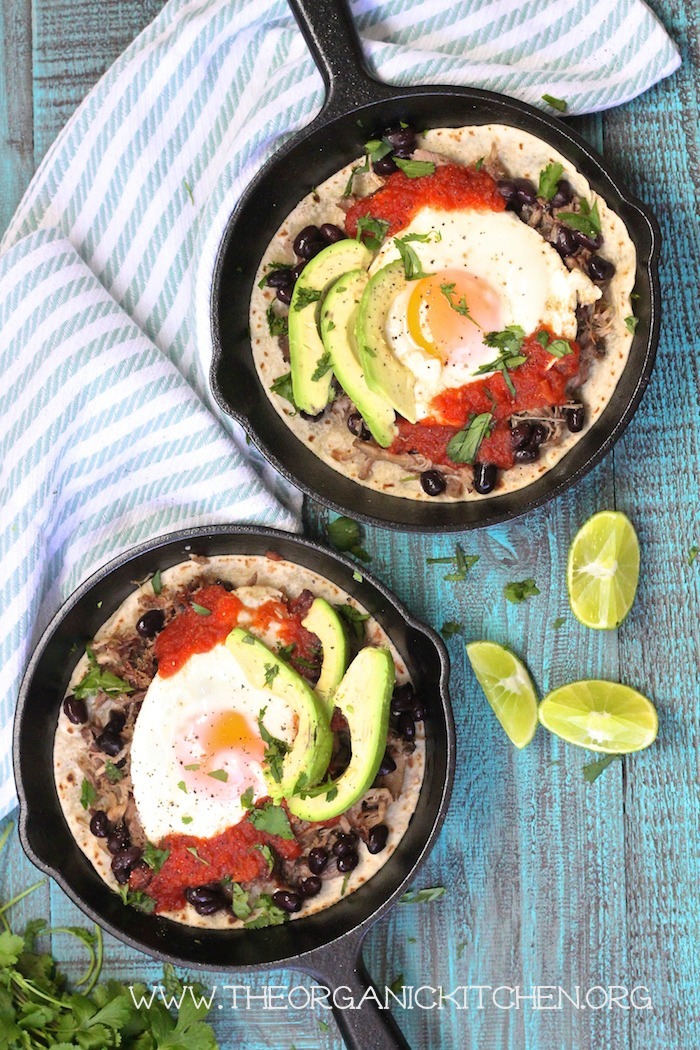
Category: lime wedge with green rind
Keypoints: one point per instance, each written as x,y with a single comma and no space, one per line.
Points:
603,570
508,689
600,716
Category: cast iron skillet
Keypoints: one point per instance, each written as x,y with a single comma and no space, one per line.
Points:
357,108
328,945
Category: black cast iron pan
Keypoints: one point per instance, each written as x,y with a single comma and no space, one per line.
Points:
328,945
357,108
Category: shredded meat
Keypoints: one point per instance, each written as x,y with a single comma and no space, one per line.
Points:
370,810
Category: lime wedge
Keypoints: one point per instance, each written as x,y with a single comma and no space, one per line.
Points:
600,716
603,570
508,688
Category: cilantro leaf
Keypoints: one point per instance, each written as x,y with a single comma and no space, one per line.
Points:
200,609
283,387
195,854
156,582
304,297
357,170
354,619
268,914
464,445
11,947
631,324
323,365
239,904
592,770
549,179
273,820
88,794
377,148
450,628
556,103
372,231
267,856
518,591
692,554
113,773
460,306
248,797
137,899
415,169
587,220
98,681
219,774
560,347
559,622
275,750
411,263
277,324
430,893
154,857
271,672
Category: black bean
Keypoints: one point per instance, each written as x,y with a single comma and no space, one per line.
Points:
305,240
348,861
312,418
563,195
387,765
311,886
344,844
358,427
285,294
75,710
317,859
100,825
151,623
600,269
385,166
403,697
403,139
520,435
592,243
297,271
287,900
566,243
508,190
332,233
433,482
418,712
527,455
526,191
206,900
118,839
109,742
406,726
539,435
376,840
575,418
123,861
117,720
485,477
281,278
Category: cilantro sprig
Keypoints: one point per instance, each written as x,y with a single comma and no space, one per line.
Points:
549,179
415,169
586,221
465,445
97,680
509,344
372,231
413,268
460,306
518,591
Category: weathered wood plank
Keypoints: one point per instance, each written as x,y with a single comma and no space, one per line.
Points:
657,142
75,41
16,116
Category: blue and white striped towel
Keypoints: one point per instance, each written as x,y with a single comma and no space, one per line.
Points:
107,427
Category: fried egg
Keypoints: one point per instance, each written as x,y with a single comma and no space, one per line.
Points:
483,271
197,746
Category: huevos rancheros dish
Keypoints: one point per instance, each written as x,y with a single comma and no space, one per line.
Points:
447,317
241,744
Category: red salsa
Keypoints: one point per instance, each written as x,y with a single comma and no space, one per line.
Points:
539,382
448,189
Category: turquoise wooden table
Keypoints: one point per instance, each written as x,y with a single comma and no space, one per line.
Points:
551,882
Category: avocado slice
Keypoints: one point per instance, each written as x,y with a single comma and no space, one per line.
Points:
323,621
311,389
364,696
385,374
338,319
311,748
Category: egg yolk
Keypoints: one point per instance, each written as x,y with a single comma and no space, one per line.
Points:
221,745
449,312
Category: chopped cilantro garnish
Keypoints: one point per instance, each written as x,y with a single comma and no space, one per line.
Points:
371,231
98,681
556,103
631,324
559,622
195,854
464,446
277,324
518,591
156,582
272,820
450,628
430,893
411,263
271,672
323,366
415,169
592,770
218,774
549,178
154,857
273,266
304,297
283,387
460,306
587,220
114,773
200,609
88,794
247,798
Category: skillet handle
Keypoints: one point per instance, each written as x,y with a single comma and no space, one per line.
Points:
329,31
339,968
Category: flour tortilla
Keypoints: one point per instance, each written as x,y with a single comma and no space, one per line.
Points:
522,155
281,576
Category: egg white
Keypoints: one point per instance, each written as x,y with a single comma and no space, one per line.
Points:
175,713
528,275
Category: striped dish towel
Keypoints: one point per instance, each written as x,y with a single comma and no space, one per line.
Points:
108,431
